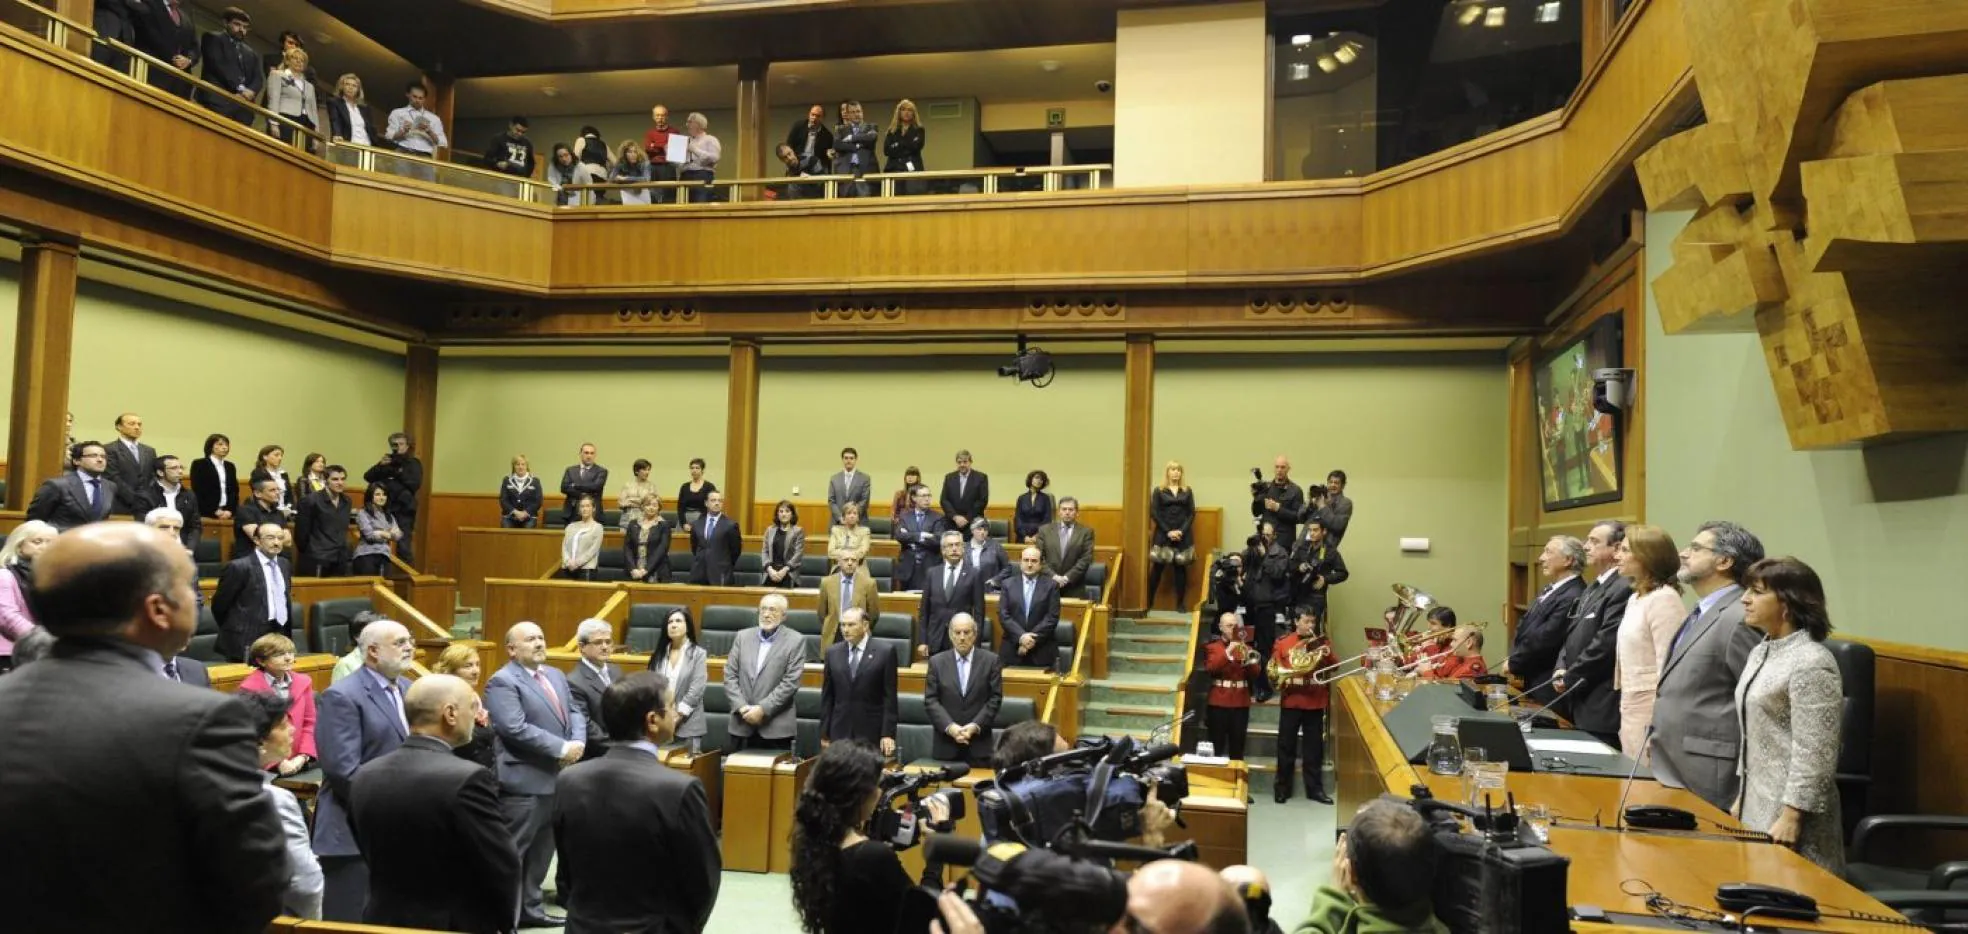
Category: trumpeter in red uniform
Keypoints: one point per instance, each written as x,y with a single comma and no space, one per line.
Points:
1233,665
1465,658
1302,706
1433,650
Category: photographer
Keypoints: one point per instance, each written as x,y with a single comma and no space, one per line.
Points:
1278,501
402,474
844,882
1315,566
1383,874
1227,582
1267,592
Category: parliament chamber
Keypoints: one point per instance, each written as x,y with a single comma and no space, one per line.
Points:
1511,270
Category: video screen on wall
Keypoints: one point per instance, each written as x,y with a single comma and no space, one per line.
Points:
1579,446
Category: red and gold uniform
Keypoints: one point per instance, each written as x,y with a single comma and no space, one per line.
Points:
1301,715
1458,667
1233,668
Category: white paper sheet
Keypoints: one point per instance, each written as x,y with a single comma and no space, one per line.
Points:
677,150
1574,746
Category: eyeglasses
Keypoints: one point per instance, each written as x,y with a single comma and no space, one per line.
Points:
1698,546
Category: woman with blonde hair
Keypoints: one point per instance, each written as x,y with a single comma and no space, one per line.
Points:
850,537
16,578
631,168
462,661
903,145
1173,508
1648,558
289,93
349,116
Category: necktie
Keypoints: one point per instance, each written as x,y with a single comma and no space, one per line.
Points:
171,669
1548,588
1065,535
1028,599
950,579
172,6
854,662
710,526
847,592
963,674
960,485
546,688
1682,633
95,497
276,607
396,701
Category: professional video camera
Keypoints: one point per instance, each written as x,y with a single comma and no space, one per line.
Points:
902,828
1498,878
1028,890
1093,791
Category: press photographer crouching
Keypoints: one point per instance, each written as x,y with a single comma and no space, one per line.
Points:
844,882
1383,876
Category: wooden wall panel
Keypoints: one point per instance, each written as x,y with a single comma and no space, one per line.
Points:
444,235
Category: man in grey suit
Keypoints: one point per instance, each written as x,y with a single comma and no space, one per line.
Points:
76,498
848,486
761,680
1696,734
128,801
595,640
961,694
187,670
359,720
131,464
1338,512
540,729
1586,662
1067,548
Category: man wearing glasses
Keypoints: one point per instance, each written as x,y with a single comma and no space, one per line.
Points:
76,498
1696,736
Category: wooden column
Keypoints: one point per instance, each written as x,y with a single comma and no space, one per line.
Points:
741,432
420,423
1138,473
442,99
44,340
754,137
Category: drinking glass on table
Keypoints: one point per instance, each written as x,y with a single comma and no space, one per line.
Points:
1496,698
1539,818
1482,777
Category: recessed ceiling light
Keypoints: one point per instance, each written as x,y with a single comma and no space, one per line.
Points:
792,79
1049,65
1549,12
1493,17
550,91
322,38
1347,52
1469,14
1302,39
1300,71
1328,64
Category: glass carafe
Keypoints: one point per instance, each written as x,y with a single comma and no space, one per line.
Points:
1384,677
1445,749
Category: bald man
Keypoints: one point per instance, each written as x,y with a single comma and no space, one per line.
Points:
539,731
1279,500
1173,896
101,746
359,719
422,807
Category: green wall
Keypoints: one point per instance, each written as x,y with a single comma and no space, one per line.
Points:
902,411
665,409
1883,526
190,371
1421,437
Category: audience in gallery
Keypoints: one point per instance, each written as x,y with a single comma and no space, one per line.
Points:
520,497
849,537
1033,508
377,533
580,546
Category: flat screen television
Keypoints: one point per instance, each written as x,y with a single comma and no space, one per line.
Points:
1579,447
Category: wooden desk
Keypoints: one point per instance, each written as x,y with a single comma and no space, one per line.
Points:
748,817
1685,868
1217,815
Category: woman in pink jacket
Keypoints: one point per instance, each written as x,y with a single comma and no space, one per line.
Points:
16,576
272,658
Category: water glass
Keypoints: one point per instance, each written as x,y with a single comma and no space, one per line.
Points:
1497,698
1404,685
1384,686
1445,753
1483,778
1538,817
1206,749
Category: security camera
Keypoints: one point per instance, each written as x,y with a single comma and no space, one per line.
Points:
1612,390
1104,86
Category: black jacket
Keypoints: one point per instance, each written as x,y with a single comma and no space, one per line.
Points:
713,561
421,806
159,36
636,842
339,126
516,153
1541,634
1590,653
1308,564
971,502
1291,507
860,706
240,603
654,559
587,688
1267,578
403,476
322,527
230,64
903,149
823,141
152,496
206,484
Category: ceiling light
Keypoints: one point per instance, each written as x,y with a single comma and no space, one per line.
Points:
1493,17
1347,52
1300,71
1302,39
792,79
1549,12
322,38
550,91
1049,65
1469,14
1328,64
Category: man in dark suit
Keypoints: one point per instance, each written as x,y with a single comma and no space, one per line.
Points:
167,32
962,692
262,507
1697,737
1067,547
917,531
359,719
421,807
715,544
323,525
101,749
402,474
636,835
966,493
233,65
187,670
253,595
131,464
857,688
849,486
77,498
540,730
1028,615
116,19
1279,500
167,489
986,556
1587,660
592,675
1542,630
951,588
586,478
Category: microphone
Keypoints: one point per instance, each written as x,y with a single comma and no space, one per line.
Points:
1546,709
1650,816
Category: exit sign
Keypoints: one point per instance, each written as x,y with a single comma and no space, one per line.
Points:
1055,118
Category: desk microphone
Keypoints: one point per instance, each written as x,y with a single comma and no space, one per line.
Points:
1544,711
1649,816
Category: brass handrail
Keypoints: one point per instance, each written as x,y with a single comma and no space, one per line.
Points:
882,182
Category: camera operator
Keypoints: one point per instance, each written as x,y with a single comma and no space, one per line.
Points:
1383,874
402,474
1227,582
844,882
1279,501
1267,591
1315,566
1035,739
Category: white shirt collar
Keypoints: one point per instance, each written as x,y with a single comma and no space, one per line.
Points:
1607,575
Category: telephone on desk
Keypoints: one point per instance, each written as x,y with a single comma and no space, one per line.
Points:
1767,900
